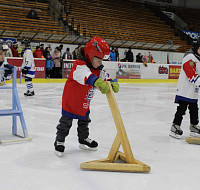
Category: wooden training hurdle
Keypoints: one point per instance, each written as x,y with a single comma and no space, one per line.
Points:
108,164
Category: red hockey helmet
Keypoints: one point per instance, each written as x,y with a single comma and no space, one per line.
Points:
96,47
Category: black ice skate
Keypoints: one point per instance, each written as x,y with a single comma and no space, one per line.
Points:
88,144
175,131
25,94
59,148
28,93
194,130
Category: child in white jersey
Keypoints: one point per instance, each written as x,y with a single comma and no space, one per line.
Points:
187,92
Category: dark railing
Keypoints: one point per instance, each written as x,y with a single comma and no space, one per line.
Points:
158,12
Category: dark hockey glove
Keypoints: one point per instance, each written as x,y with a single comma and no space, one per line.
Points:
24,71
9,70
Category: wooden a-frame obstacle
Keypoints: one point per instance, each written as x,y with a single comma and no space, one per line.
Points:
193,140
108,164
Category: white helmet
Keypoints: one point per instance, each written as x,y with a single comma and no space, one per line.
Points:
5,47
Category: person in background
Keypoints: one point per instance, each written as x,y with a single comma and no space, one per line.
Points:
28,67
4,74
139,58
42,47
56,61
150,58
22,52
14,49
7,50
117,54
37,53
49,65
112,55
50,49
67,54
171,42
46,51
32,14
129,56
75,53
61,48
145,59
49,62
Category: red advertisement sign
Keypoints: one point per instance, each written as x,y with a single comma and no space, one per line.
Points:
39,66
162,70
174,71
67,66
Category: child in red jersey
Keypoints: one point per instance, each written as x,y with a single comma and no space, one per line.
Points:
79,90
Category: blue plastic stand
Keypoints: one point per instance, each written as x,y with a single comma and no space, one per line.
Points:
20,80
15,111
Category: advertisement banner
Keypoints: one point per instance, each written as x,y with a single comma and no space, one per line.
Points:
163,71
191,33
109,67
9,41
128,71
174,71
39,66
66,68
154,71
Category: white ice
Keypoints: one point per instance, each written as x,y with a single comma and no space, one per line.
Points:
147,111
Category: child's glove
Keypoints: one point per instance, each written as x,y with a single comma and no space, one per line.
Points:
115,86
24,71
102,85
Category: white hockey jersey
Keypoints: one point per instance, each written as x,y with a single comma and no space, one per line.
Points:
2,71
28,63
189,79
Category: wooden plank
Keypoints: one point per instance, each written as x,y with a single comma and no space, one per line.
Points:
101,160
118,167
120,126
193,140
15,140
114,149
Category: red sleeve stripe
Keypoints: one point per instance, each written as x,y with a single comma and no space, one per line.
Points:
190,71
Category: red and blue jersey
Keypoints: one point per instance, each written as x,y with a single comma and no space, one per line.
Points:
79,90
189,80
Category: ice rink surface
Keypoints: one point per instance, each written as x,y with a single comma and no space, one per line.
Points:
147,111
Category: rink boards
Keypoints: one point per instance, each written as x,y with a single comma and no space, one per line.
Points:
132,70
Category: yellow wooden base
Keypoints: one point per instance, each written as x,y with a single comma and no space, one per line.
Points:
193,140
107,165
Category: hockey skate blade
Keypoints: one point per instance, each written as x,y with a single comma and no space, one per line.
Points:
57,153
192,134
84,147
171,134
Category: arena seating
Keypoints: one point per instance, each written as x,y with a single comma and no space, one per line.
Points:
14,18
108,19
191,18
125,21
